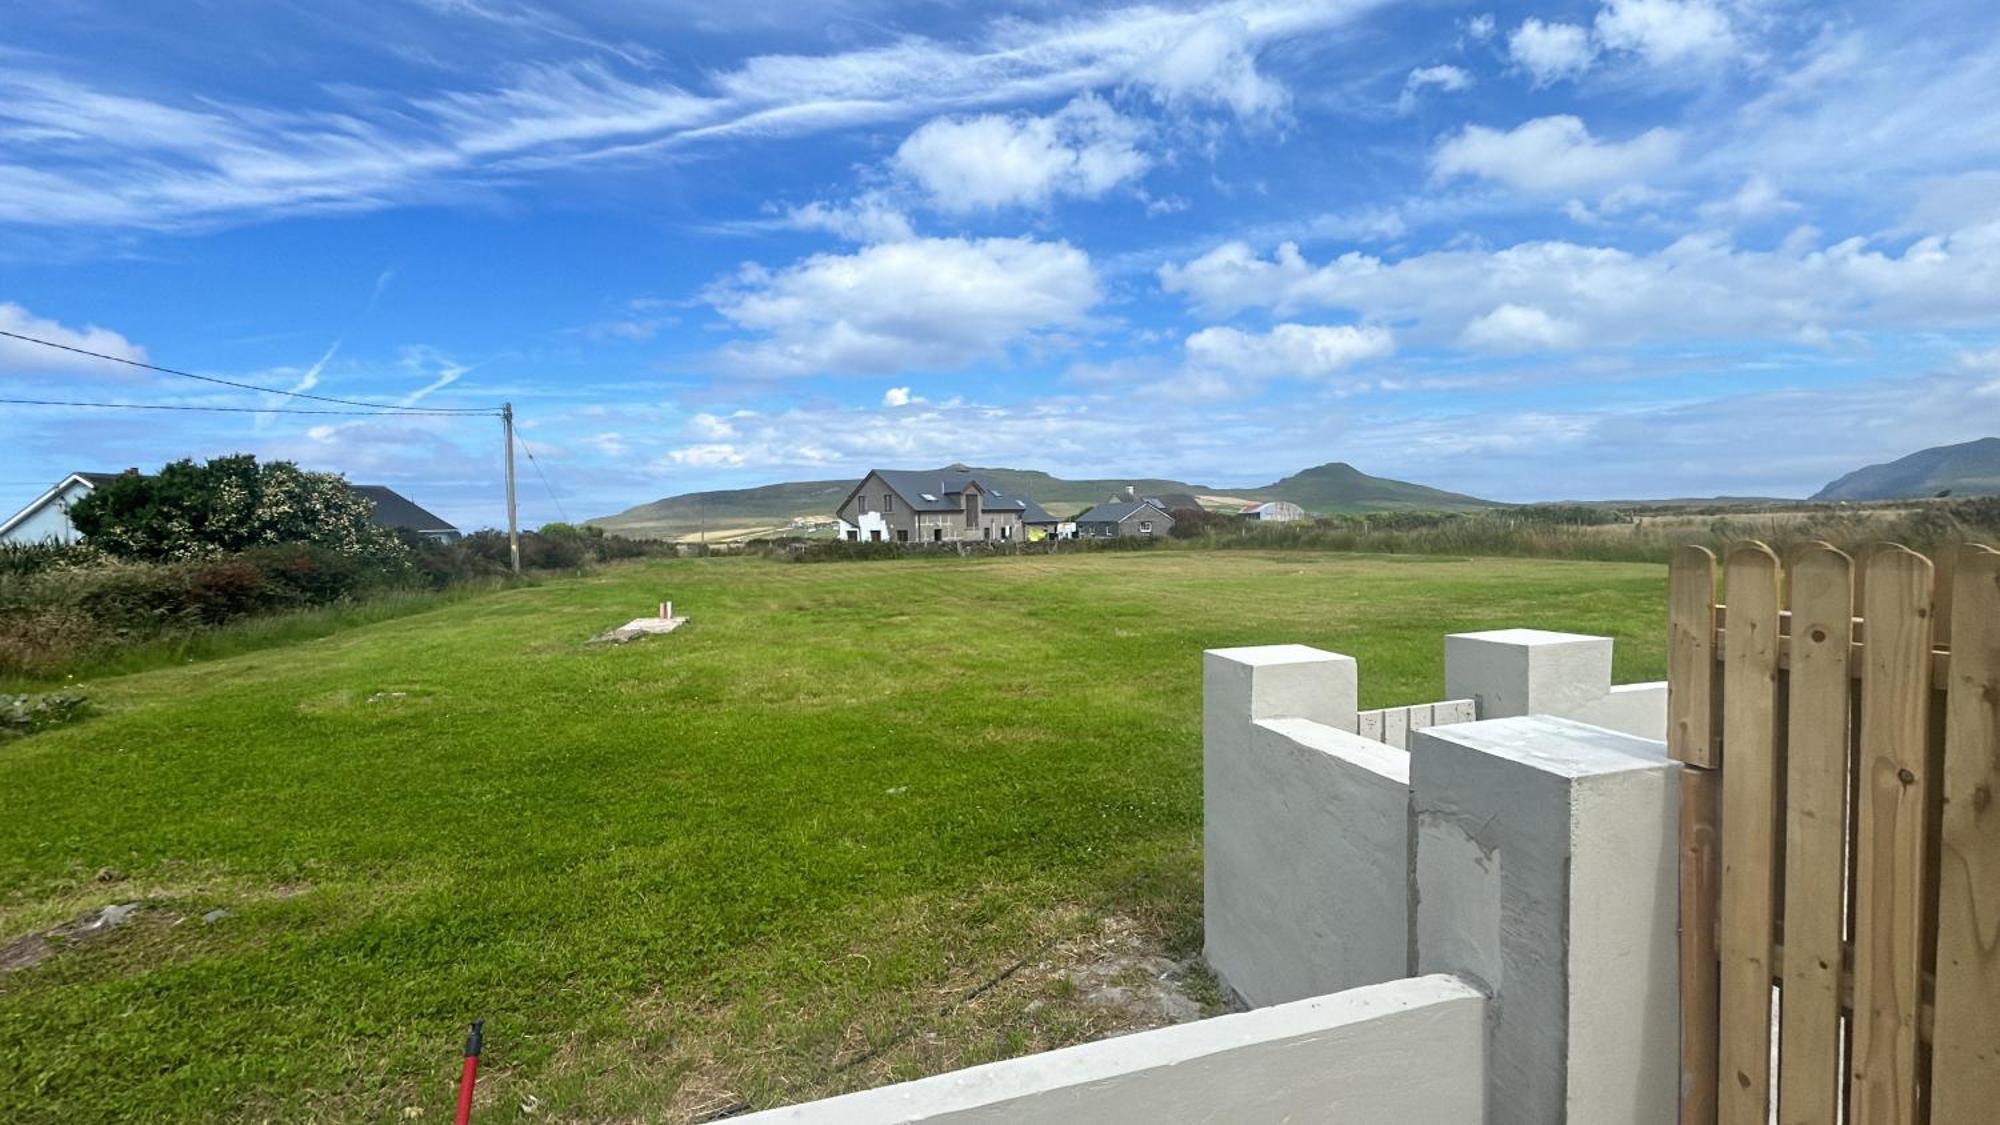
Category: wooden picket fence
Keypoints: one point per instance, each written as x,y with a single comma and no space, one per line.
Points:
1840,727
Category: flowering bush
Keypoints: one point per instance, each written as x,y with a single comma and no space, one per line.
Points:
188,511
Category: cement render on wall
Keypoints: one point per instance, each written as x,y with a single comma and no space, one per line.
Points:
1404,1052
1306,839
1509,672
1546,860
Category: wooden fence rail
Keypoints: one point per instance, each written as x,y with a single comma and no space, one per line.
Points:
1839,848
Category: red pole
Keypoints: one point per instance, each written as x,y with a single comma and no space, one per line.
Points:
469,1073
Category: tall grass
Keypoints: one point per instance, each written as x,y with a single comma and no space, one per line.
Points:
1604,535
245,635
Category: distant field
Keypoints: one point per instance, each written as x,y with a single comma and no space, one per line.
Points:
763,859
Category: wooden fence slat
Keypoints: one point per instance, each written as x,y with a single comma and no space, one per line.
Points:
1965,1062
1809,1037
1691,656
1889,826
1749,833
1701,877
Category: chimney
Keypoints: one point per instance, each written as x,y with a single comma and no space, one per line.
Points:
1131,493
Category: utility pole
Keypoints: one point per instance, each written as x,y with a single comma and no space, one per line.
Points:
513,521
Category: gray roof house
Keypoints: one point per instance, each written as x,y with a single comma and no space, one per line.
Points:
937,506
394,510
46,518
1124,516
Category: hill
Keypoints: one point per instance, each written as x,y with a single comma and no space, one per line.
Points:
727,513
1340,487
1968,469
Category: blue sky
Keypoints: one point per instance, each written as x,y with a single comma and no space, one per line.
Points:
1589,249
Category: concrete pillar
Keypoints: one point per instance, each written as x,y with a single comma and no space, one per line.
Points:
1546,868
1240,685
1509,672
1306,835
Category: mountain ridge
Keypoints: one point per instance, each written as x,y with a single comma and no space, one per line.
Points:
1335,487
1970,468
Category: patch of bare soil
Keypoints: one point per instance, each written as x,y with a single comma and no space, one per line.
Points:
32,949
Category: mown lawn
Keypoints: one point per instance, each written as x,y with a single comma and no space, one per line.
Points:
766,858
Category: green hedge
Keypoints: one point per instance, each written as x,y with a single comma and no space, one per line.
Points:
60,604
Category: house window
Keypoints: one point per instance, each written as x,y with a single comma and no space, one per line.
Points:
888,502
875,536
1145,527
937,535
862,501
902,535
986,533
972,509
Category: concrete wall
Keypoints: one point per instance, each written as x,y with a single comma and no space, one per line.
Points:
1393,725
1306,837
1407,1051
1508,672
1546,870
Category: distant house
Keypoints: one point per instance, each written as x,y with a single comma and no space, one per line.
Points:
46,519
1042,525
1275,511
1125,516
937,506
394,510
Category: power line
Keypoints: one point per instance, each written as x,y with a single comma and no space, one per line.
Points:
545,477
385,408
397,413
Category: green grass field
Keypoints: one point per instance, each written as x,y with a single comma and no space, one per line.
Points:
779,854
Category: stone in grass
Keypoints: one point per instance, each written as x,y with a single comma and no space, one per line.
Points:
214,916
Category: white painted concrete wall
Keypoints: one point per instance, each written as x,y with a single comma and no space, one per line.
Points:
1508,672
869,527
1546,869
1404,1052
1306,857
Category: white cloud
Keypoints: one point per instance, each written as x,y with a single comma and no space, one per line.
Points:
79,153
19,356
1550,52
926,304
869,218
1294,351
1757,198
1519,328
1667,32
898,396
1444,76
1480,27
710,427
1699,288
991,161
1214,62
1553,154
610,443
707,455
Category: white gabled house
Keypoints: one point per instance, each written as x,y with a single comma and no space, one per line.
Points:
46,518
